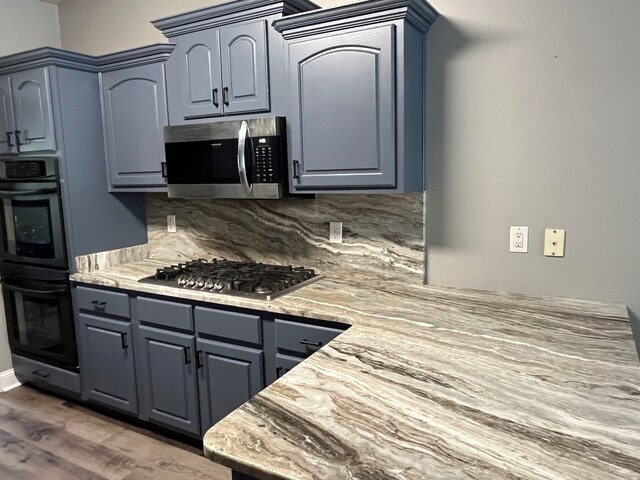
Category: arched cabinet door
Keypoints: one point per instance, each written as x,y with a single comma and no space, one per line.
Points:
135,113
245,78
342,113
7,126
33,113
193,77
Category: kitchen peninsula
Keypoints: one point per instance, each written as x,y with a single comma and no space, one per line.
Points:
433,383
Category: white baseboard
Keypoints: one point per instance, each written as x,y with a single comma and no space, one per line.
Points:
8,380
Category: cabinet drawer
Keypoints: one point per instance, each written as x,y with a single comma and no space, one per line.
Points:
103,301
164,313
27,370
235,326
302,338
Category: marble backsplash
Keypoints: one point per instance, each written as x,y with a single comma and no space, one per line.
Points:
383,235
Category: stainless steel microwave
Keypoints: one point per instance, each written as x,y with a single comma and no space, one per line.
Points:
236,159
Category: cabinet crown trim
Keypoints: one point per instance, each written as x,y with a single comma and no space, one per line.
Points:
135,57
418,12
45,57
241,10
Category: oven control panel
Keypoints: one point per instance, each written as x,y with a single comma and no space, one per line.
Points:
267,158
27,169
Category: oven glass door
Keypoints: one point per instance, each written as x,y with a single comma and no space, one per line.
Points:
40,320
32,227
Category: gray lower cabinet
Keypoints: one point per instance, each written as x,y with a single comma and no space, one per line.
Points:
134,108
167,379
107,362
229,375
26,114
284,363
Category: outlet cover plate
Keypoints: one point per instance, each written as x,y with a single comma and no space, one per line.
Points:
335,232
171,223
519,239
554,242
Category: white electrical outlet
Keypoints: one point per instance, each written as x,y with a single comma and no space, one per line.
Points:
554,242
171,223
519,239
335,232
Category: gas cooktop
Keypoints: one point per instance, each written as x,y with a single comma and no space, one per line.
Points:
245,279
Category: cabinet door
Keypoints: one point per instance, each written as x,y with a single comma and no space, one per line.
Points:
33,113
7,126
135,112
107,367
168,386
343,119
193,77
229,376
284,363
245,77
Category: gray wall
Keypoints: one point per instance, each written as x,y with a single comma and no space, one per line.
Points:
534,116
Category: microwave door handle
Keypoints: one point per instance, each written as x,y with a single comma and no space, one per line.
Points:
242,160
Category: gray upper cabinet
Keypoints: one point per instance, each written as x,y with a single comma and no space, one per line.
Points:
245,77
219,72
26,115
134,114
7,124
356,108
228,59
342,108
193,77
33,112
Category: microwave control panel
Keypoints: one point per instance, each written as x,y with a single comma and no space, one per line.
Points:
267,155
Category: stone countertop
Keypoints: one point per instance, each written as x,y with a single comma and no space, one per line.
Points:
435,383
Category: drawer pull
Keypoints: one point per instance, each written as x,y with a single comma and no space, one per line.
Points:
313,344
99,304
279,372
9,144
123,340
38,373
187,355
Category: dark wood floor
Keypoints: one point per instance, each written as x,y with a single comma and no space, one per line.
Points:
44,437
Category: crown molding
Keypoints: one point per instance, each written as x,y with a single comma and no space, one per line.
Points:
135,57
45,57
418,12
231,12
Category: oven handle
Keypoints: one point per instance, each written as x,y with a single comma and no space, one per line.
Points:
24,193
54,291
242,160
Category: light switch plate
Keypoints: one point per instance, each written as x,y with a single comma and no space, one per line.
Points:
554,242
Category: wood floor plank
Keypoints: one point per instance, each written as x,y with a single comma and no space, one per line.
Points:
45,436
21,460
55,439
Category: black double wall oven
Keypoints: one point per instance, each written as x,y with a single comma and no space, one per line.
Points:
34,265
